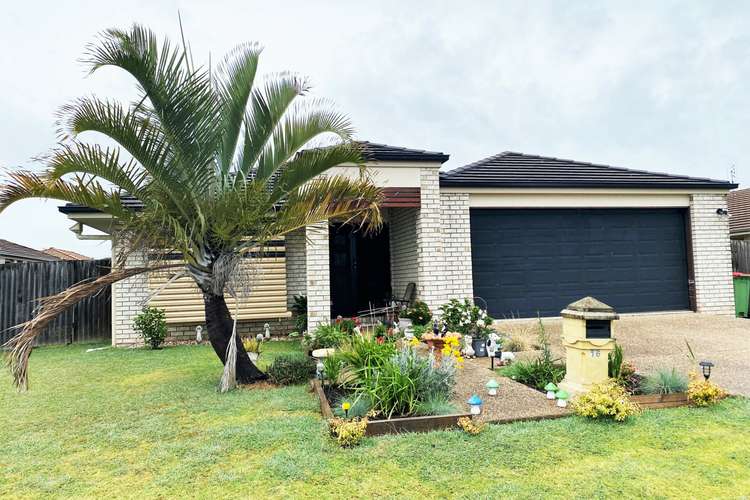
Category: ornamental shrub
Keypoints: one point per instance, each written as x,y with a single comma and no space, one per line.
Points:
664,382
466,318
290,369
607,400
325,336
418,313
703,392
470,427
347,433
152,324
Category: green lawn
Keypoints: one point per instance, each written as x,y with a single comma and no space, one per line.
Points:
137,423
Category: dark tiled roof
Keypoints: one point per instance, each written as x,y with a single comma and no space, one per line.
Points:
511,169
10,249
382,152
127,201
738,202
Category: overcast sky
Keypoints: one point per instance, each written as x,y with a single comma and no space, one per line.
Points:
659,87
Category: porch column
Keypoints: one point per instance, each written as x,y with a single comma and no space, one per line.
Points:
431,285
318,275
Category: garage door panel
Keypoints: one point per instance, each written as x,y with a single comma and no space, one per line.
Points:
528,261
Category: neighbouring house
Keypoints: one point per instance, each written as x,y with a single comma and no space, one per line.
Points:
738,202
13,252
523,234
65,254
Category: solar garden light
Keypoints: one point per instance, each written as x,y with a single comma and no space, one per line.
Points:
492,386
498,356
562,398
551,390
475,405
706,367
346,405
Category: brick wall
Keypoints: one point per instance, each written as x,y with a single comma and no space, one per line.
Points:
457,245
296,265
128,297
250,328
403,247
431,284
712,256
318,275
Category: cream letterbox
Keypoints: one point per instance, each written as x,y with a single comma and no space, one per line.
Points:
587,336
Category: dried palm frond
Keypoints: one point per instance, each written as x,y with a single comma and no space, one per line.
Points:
20,346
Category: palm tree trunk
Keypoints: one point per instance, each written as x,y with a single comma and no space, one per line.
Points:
219,326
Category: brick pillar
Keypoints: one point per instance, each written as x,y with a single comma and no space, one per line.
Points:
712,254
127,300
456,227
318,276
430,269
296,265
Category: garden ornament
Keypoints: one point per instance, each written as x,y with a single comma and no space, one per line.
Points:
706,367
492,386
468,349
198,333
507,356
562,398
551,390
259,337
267,331
493,344
475,403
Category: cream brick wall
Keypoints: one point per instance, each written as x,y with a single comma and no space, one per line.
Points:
128,297
318,275
712,255
403,245
456,226
431,283
278,326
296,265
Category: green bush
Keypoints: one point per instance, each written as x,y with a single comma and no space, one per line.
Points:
436,405
363,354
360,406
540,371
419,330
332,366
664,382
152,324
418,313
614,362
290,369
324,337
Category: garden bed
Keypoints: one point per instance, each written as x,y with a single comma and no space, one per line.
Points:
653,401
393,425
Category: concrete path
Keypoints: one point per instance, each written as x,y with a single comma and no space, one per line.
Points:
654,341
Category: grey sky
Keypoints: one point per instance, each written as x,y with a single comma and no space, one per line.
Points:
655,85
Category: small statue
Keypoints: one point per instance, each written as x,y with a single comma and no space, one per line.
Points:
468,348
493,344
199,334
259,337
267,331
435,328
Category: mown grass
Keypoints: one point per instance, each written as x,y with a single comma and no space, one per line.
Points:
139,423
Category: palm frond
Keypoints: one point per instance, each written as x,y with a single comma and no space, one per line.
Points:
302,124
268,104
235,77
328,198
308,164
23,185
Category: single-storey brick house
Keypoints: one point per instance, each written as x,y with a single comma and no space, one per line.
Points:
528,234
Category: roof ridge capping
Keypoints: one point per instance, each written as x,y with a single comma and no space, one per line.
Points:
513,169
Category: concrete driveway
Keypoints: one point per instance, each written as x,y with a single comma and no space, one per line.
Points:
654,341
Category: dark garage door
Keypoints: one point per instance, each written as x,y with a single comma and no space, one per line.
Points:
529,261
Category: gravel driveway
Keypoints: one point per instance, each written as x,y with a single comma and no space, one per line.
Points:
654,341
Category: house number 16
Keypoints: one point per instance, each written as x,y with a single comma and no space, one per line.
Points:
595,353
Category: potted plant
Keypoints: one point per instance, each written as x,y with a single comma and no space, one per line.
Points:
468,319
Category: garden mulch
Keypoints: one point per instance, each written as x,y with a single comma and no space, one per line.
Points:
514,401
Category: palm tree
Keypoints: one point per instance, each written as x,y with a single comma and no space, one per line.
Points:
221,164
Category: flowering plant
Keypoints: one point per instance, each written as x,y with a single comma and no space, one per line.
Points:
467,318
702,392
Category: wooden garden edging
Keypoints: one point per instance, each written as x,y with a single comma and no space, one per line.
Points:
393,425
652,401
